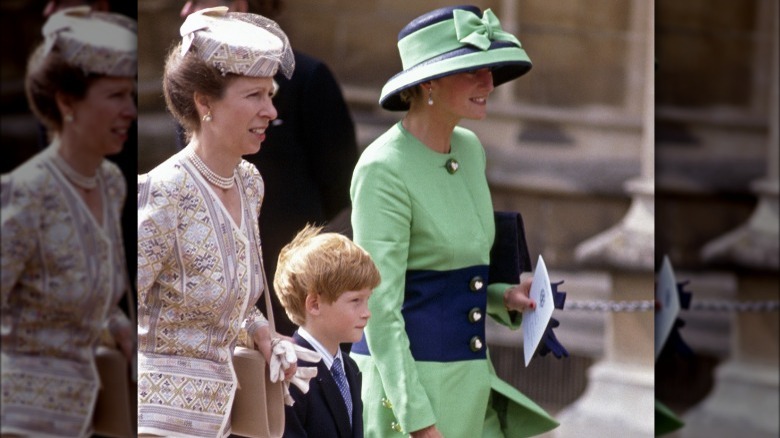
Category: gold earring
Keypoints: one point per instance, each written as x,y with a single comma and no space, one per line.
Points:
207,117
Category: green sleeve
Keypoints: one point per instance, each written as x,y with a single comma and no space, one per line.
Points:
381,220
496,308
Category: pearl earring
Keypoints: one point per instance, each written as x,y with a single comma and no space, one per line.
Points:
430,97
207,117
68,117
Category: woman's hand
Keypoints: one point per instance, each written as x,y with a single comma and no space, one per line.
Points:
262,339
428,432
518,297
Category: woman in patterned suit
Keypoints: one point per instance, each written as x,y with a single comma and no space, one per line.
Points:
199,261
63,262
422,209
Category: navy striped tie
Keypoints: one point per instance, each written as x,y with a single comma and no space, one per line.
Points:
341,380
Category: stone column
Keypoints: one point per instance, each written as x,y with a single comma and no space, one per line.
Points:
630,243
619,399
755,243
506,92
745,398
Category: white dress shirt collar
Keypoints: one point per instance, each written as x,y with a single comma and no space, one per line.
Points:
327,358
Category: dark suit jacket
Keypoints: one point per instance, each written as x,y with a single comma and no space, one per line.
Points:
321,412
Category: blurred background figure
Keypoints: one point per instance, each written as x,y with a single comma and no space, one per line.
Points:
126,159
20,22
63,267
307,158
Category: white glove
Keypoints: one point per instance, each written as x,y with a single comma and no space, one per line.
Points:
282,357
301,380
306,354
302,377
283,354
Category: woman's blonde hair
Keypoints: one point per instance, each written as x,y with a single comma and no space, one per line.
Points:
327,264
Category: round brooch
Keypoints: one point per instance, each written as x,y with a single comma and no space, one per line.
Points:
451,165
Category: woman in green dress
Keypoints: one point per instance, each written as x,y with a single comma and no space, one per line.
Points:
422,209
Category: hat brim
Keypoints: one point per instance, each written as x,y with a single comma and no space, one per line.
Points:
507,62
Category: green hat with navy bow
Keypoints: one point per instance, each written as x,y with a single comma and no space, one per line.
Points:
452,40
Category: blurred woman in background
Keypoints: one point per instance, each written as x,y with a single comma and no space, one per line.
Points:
63,267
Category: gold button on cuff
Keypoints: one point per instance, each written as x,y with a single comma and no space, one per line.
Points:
386,403
475,344
475,314
396,427
451,165
476,283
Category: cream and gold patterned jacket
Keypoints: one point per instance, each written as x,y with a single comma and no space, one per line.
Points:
199,276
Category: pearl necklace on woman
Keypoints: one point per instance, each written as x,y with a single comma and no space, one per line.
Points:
81,181
224,183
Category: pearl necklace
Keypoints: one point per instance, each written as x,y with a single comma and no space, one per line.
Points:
219,181
84,182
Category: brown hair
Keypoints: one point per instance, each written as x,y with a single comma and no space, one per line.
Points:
407,95
46,76
327,264
185,75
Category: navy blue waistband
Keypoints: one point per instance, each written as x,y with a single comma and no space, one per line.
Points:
444,313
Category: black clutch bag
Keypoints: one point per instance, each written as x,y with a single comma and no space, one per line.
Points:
509,255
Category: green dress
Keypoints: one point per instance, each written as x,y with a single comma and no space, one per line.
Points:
429,228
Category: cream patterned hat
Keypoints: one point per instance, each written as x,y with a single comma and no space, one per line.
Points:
237,42
97,42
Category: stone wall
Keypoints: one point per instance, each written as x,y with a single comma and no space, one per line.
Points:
580,49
